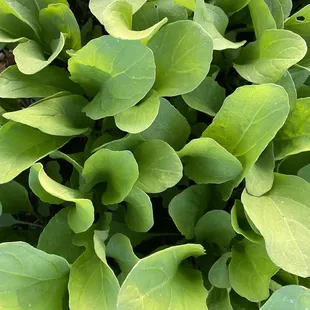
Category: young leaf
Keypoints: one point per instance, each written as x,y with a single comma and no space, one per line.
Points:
159,166
172,283
188,207
25,271
250,270
287,205
288,84
231,7
180,70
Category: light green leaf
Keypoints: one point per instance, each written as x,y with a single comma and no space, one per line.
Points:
266,106
231,7
18,152
300,23
218,299
218,274
118,170
14,198
214,21
45,3
119,75
293,138
80,217
59,116
172,283
289,297
285,225
189,4
180,69
305,65
57,236
14,84
260,177
208,97
215,227
129,142
188,207
140,116
276,11
205,161
169,125
266,60
59,155
159,166
250,270
288,84
31,278
287,6
303,173
30,58
139,215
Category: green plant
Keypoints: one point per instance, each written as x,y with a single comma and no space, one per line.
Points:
158,158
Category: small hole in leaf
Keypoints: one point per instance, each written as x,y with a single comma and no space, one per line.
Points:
155,6
301,18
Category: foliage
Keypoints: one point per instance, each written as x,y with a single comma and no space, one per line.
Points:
155,155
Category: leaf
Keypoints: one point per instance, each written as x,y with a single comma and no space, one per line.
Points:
30,58
118,170
139,216
129,142
215,227
214,21
169,125
14,198
27,271
266,106
266,60
189,4
208,97
14,84
305,173
140,116
45,3
180,70
260,178
172,283
276,11
250,270
289,298
285,224
80,217
231,7
18,152
293,138
114,75
205,161
240,303
287,6
218,299
159,166
287,83
57,236
59,116
218,274
300,23
187,208
74,163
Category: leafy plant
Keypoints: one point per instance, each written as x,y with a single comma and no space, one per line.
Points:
155,155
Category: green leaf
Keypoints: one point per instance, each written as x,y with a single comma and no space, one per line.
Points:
59,116
159,166
18,152
289,297
14,84
172,283
169,125
139,215
57,236
189,4
218,299
117,170
276,11
260,177
30,58
250,270
215,227
300,23
293,138
140,116
231,7
180,70
285,225
31,278
205,161
266,60
240,303
218,274
80,217
288,84
208,97
119,75
188,207
305,173
214,21
129,142
67,158
287,6
45,3
266,106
